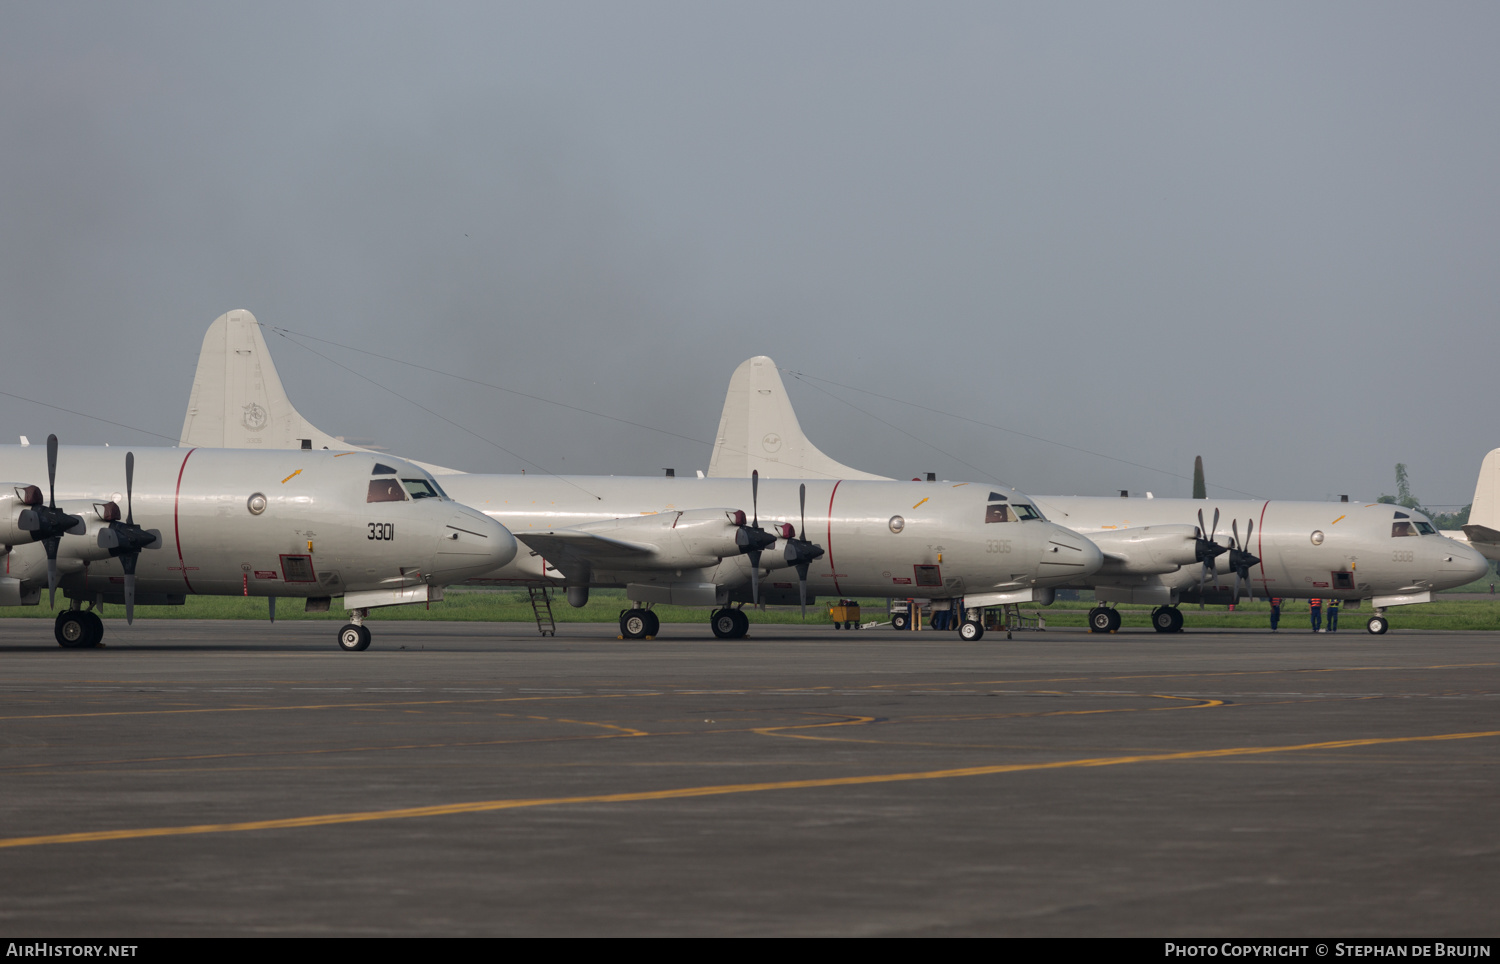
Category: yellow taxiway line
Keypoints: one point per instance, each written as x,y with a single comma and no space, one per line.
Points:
487,806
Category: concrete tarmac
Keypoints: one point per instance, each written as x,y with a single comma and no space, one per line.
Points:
237,778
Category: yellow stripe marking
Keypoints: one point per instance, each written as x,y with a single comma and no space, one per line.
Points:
682,793
919,504
1338,520
291,477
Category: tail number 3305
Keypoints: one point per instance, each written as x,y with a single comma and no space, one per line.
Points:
383,531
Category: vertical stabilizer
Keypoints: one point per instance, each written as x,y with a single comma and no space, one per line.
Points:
1486,510
237,400
759,431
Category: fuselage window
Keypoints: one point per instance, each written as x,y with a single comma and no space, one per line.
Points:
385,490
1402,529
1026,512
420,488
997,513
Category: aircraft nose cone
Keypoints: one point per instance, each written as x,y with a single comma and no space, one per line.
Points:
1475,564
470,544
1071,554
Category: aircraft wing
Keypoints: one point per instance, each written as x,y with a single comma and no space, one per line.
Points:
575,553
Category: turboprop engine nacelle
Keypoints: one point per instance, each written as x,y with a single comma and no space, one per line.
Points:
694,539
1146,550
16,501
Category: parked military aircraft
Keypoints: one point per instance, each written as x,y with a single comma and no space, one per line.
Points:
689,541
1163,551
377,531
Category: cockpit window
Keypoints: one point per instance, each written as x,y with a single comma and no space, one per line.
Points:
997,497
998,513
385,490
382,470
1402,529
1026,512
1426,528
420,488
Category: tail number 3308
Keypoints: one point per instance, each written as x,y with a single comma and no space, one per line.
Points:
382,531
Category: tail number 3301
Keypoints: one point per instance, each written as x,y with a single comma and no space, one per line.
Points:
382,531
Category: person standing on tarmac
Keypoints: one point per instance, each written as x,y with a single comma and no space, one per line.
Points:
1333,615
1275,612
1315,610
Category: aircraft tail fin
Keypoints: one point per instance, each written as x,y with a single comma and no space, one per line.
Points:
759,431
1483,529
238,401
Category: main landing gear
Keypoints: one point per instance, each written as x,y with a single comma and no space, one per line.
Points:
78,629
1102,619
1166,619
355,637
638,624
729,623
1377,625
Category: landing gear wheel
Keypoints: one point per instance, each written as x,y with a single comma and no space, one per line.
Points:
354,639
901,621
635,623
1166,619
1377,625
724,624
96,629
72,629
653,623
741,623
1103,620
971,631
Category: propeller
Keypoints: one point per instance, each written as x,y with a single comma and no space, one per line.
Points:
125,540
1207,551
751,538
1241,560
800,552
47,523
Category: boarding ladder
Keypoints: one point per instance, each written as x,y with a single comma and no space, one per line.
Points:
541,607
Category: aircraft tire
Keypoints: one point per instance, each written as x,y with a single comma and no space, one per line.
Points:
1102,619
96,629
1378,625
971,631
723,623
634,624
741,623
1166,619
354,639
72,629
901,621
653,624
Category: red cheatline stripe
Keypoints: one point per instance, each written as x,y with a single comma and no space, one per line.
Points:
176,527
832,569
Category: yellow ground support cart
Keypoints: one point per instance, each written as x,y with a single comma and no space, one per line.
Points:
845,614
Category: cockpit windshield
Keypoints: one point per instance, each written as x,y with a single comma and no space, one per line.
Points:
385,490
422,489
1026,512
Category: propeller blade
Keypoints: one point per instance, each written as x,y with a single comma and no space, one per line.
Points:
52,471
129,598
802,497
755,498
129,482
273,607
51,545
754,576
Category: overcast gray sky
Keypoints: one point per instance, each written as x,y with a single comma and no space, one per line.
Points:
1265,233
